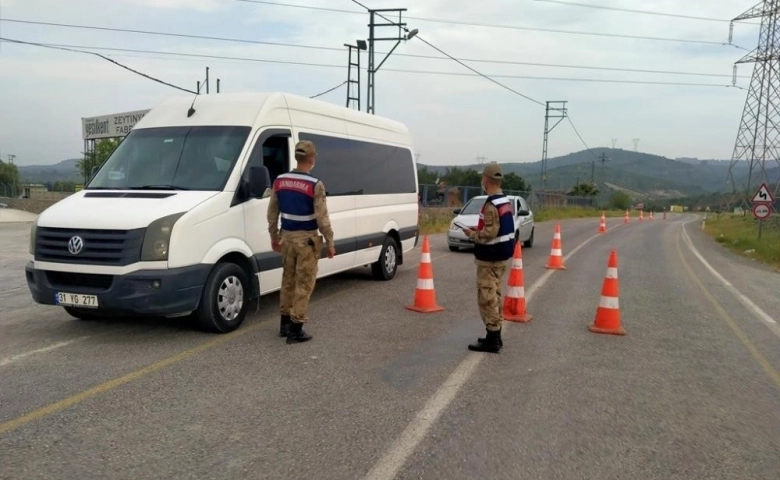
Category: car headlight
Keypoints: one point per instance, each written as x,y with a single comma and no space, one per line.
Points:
157,239
33,231
453,227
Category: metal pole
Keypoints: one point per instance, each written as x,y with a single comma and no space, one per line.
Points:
217,85
207,80
371,86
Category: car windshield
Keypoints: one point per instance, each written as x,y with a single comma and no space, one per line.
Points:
173,158
473,206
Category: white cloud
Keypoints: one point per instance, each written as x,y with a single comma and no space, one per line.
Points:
453,118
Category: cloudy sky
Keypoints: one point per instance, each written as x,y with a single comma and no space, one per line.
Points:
454,118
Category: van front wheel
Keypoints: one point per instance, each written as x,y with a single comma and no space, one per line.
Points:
387,265
224,301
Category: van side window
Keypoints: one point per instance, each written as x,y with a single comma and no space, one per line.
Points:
273,153
352,167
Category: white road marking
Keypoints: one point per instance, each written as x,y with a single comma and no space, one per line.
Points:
748,303
15,358
391,463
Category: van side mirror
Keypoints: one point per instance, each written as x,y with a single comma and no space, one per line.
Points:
259,181
456,211
523,213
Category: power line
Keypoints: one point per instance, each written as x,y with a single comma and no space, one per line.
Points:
580,137
325,65
100,56
340,50
643,12
478,72
506,27
329,90
461,63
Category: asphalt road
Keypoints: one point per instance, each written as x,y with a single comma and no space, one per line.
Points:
691,392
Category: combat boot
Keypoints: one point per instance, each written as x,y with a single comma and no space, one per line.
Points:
296,334
492,343
284,325
500,342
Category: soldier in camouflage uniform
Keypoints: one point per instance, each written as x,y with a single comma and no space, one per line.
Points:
299,198
494,241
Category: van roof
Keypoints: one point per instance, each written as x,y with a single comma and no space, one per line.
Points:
244,109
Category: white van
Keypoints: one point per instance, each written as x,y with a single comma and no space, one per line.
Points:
174,222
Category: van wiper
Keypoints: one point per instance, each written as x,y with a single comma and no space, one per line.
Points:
158,187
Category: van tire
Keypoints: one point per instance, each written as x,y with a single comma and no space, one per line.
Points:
530,242
81,314
387,265
226,286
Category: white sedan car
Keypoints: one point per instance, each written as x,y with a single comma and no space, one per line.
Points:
469,216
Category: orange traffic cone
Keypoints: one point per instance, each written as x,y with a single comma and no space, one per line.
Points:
626,218
603,224
608,314
641,215
514,301
556,253
425,295
651,215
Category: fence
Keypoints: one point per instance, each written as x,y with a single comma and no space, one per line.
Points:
457,196
8,190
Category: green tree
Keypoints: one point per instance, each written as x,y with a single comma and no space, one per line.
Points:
620,201
103,149
9,179
425,176
513,181
584,190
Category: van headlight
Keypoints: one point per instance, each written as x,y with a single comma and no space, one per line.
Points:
157,239
33,232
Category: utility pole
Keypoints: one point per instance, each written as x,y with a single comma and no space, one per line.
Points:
603,159
402,35
760,125
207,80
353,67
593,172
11,159
553,110
636,144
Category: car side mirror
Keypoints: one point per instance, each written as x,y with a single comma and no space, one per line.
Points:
259,182
523,213
456,211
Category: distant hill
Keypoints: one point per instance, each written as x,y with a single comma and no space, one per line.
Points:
651,176
65,171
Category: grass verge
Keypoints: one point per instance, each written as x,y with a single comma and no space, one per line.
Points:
740,234
437,219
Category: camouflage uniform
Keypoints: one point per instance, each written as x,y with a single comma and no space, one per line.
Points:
490,275
494,240
301,252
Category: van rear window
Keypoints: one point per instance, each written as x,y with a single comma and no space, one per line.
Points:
352,167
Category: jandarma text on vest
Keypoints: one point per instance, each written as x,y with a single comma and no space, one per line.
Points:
295,185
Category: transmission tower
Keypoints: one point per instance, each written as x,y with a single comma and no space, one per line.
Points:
614,143
554,110
636,144
757,139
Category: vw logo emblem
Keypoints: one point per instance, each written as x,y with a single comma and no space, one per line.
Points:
75,245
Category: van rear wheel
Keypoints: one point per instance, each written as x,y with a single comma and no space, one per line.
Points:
387,265
225,299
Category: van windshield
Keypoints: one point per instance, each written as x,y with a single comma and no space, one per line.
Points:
174,158
473,207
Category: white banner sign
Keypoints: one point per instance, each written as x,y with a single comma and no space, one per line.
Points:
107,126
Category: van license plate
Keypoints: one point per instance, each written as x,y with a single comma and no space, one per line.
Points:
75,300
